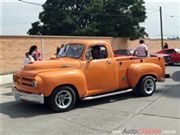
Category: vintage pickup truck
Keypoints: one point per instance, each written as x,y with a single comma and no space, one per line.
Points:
86,70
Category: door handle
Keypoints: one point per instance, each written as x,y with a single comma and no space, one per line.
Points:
108,62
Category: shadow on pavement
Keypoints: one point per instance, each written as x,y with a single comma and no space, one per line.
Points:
174,92
176,76
19,109
106,100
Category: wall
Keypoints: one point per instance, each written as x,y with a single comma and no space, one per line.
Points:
154,45
13,48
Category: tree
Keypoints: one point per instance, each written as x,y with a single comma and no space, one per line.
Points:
91,18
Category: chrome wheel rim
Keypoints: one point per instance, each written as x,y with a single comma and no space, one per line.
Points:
63,99
149,86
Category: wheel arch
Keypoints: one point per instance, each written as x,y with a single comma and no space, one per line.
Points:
154,76
69,85
143,88
73,78
141,70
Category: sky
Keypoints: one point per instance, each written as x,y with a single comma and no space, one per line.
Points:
16,17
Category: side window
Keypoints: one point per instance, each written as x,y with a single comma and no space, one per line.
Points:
97,52
103,51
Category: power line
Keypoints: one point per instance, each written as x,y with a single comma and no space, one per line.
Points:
33,3
173,24
172,21
82,12
174,16
96,14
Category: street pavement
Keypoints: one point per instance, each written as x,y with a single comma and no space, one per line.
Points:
116,115
4,79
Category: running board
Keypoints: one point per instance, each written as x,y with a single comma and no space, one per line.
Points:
107,94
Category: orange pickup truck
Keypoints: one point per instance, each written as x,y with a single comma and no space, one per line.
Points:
86,70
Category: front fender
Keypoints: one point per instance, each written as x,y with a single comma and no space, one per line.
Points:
54,79
136,71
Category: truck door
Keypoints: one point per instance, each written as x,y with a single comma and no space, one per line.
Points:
99,72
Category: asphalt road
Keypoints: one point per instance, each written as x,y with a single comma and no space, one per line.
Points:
115,115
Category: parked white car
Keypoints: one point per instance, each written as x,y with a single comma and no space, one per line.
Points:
177,50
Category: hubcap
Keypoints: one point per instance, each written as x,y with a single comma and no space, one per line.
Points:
63,99
149,86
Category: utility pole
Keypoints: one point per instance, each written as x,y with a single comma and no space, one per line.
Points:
160,11
42,40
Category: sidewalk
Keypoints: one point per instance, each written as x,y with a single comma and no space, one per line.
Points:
5,79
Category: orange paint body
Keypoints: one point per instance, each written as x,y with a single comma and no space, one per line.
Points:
88,77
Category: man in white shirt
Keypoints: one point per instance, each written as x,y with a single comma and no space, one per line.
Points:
141,49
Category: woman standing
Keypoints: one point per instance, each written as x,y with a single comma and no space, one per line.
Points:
32,55
33,52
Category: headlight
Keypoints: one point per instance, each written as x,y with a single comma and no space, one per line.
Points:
34,84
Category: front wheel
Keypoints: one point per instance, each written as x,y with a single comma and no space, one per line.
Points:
146,86
62,99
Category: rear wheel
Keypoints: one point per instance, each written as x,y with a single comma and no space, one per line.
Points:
146,86
62,99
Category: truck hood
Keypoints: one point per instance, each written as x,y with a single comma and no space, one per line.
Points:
51,65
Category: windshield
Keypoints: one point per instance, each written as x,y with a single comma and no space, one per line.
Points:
170,51
71,50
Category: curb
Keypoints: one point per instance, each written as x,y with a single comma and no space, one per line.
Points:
6,84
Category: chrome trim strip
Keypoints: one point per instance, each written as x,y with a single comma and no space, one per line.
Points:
107,94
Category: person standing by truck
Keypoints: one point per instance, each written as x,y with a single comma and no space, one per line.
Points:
32,55
141,50
165,46
33,51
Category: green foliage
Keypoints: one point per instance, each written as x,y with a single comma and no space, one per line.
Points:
91,18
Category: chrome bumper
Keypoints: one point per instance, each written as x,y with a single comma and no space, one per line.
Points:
22,96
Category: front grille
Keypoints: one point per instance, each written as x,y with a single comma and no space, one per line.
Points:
27,84
27,81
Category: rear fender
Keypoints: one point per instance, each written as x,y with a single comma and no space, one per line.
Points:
136,71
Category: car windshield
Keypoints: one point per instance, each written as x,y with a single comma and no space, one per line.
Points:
170,51
71,50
